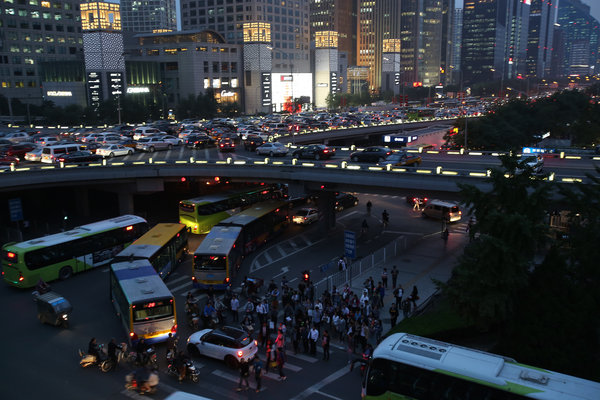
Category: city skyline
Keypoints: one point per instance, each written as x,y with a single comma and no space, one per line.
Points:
594,5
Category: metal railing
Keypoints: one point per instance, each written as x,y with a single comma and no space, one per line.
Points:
357,268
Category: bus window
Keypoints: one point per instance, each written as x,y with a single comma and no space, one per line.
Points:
210,263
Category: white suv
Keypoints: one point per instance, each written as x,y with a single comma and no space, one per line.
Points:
227,343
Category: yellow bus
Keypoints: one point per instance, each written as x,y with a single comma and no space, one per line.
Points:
164,246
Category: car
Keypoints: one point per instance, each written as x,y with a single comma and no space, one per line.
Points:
112,150
272,149
227,343
371,154
18,137
536,163
34,155
45,140
175,141
152,143
91,146
401,158
82,156
305,216
226,144
316,151
128,143
146,131
5,159
199,141
252,142
18,150
345,200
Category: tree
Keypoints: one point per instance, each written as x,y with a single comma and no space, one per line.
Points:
509,228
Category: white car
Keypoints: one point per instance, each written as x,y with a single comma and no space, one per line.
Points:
305,216
34,155
18,137
272,149
172,139
226,343
112,150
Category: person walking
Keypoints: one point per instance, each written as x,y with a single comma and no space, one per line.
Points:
170,346
399,294
369,206
257,372
268,354
406,308
394,273
393,314
244,373
416,204
384,278
280,358
445,236
364,227
414,296
325,345
235,305
385,219
313,336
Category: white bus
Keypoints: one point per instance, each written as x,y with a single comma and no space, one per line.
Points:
143,302
405,366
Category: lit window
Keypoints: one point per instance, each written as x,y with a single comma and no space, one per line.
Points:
234,82
217,83
206,83
46,4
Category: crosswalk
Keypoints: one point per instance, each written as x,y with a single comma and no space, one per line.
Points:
282,250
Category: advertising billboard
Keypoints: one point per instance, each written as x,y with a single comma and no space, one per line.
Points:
289,86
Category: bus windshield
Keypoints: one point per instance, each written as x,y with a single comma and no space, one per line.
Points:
152,310
213,263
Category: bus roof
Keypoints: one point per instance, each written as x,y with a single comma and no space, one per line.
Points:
219,240
245,217
139,281
475,365
78,232
151,241
211,198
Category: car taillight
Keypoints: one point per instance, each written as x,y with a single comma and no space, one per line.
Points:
174,329
256,343
21,278
240,353
133,335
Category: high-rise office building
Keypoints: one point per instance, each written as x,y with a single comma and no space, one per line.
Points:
494,39
336,16
34,33
421,41
289,21
455,71
148,15
581,34
539,42
447,41
377,20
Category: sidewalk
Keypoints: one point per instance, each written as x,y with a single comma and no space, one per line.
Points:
427,258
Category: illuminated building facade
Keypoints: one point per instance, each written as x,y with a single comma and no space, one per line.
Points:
327,71
148,15
338,16
289,21
581,38
494,39
539,42
377,20
35,33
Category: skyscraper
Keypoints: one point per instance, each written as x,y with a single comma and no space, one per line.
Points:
289,21
494,39
455,67
35,32
539,41
148,15
377,20
337,16
580,32
447,40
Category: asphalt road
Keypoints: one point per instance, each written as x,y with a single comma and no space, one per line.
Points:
41,361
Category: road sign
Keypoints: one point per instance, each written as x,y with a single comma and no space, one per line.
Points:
16,209
350,244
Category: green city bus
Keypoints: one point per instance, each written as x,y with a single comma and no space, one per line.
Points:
406,366
60,255
200,214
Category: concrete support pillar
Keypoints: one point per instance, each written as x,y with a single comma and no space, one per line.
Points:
82,202
125,203
326,204
296,189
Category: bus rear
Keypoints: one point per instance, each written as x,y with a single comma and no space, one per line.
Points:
143,301
217,258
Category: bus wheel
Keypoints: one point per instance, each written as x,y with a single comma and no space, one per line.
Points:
65,273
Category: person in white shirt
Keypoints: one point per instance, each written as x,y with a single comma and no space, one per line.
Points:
363,298
313,335
235,305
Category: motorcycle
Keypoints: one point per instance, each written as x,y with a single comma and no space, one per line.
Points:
142,381
102,362
191,372
149,359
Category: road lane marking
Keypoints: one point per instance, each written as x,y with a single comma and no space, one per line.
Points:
268,257
317,386
303,357
347,215
171,281
175,289
328,395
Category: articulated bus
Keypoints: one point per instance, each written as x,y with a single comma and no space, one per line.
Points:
218,258
61,255
405,366
235,237
165,246
200,214
143,302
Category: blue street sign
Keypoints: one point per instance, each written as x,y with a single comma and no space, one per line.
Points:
16,209
350,244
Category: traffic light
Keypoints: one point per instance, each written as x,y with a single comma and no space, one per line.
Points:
305,276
